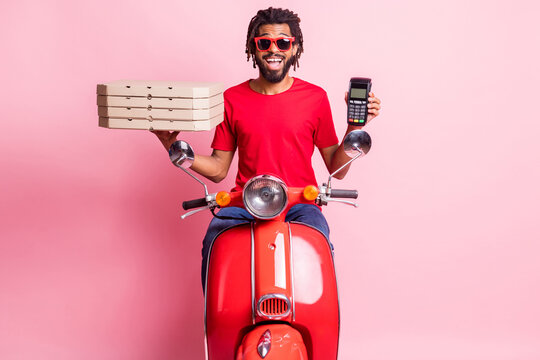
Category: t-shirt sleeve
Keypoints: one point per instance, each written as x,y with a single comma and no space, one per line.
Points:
325,134
224,137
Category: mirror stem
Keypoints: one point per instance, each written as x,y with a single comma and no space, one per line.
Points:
360,153
193,176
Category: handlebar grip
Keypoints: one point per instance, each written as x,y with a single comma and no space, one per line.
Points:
191,204
347,194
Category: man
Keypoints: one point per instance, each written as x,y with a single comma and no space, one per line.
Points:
275,121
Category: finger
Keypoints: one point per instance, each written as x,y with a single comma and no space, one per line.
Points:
346,96
374,106
158,133
374,100
374,112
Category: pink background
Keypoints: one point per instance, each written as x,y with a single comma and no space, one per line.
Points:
441,261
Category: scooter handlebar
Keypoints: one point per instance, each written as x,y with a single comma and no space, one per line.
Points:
345,194
191,204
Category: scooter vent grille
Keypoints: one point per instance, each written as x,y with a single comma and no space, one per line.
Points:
274,307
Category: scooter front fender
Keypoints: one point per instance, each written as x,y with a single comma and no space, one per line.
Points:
272,342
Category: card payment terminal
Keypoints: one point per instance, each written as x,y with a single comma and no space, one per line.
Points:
357,111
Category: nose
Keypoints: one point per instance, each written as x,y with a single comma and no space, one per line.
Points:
273,47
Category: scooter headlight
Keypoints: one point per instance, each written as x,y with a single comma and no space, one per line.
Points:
265,196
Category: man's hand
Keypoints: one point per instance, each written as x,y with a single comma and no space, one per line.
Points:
167,138
374,105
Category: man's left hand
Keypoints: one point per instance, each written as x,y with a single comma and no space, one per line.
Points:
374,105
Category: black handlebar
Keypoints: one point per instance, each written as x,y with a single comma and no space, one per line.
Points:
347,194
191,204
335,193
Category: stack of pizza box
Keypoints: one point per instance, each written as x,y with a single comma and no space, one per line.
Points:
160,105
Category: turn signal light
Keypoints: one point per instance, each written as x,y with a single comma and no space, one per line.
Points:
311,192
223,198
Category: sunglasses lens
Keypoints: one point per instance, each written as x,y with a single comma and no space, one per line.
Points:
283,44
264,44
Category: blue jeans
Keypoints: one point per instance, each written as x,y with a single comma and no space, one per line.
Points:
304,213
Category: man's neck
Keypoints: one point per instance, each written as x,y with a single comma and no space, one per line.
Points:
263,86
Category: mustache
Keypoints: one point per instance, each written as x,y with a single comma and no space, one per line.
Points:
274,55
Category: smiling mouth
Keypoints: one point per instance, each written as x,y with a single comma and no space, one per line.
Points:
274,62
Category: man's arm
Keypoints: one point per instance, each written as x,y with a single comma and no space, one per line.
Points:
214,167
334,156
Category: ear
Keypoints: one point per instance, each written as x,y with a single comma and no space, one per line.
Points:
294,49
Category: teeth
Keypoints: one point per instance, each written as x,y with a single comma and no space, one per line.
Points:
273,60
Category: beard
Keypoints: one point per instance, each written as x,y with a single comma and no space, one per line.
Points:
273,76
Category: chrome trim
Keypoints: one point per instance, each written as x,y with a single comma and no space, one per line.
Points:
357,141
181,154
273,296
270,177
205,346
200,182
339,309
265,343
292,271
253,272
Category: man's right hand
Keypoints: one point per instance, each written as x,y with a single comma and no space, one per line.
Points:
167,138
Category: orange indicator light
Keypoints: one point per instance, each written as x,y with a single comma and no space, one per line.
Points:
223,198
311,192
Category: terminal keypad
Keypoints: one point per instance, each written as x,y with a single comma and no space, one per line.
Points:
357,112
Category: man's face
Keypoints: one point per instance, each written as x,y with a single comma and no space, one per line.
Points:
274,64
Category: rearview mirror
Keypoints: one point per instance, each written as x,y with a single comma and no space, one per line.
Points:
357,142
181,154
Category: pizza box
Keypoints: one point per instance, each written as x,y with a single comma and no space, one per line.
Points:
150,89
159,102
160,114
169,125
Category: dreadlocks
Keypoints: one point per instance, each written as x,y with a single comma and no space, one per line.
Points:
274,16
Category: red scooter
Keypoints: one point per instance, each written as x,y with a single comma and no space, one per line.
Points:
271,289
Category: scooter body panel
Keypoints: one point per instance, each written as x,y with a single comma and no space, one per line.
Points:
248,262
228,309
316,306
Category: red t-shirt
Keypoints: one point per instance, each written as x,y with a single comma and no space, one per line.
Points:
276,134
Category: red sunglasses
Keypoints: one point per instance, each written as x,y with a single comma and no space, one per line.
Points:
264,43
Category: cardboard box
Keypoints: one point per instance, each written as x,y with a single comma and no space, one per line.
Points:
169,125
159,102
166,89
160,105
160,114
